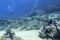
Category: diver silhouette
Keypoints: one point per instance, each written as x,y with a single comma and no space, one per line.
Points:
50,22
53,23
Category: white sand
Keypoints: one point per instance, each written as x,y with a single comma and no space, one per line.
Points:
26,35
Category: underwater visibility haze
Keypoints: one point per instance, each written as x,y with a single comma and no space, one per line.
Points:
17,7
29,19
20,8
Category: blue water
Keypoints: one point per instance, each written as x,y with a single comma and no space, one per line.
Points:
20,8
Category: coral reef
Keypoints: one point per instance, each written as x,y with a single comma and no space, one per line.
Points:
29,22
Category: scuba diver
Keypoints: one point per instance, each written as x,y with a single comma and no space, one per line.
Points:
53,22
9,34
49,22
